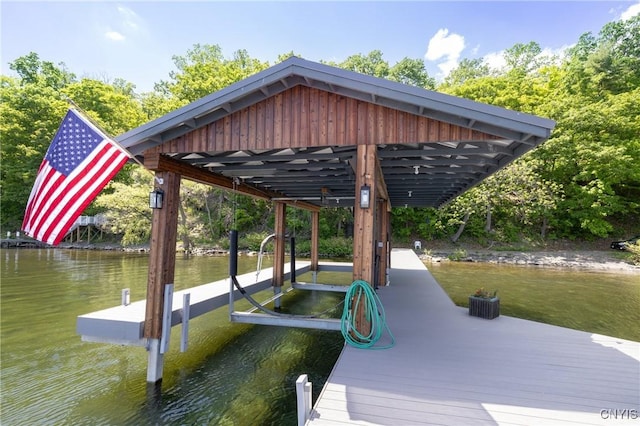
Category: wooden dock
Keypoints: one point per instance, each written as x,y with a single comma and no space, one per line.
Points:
448,368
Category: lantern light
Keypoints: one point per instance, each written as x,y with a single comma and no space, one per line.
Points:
365,196
155,198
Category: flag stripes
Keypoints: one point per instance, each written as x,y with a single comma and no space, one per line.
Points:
57,199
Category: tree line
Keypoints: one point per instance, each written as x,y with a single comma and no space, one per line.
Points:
583,183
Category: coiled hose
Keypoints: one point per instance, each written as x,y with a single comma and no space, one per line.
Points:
360,292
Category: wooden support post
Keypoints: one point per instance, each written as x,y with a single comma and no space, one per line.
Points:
383,242
162,260
315,237
278,255
364,226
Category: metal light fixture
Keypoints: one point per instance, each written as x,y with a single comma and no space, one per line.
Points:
155,198
365,196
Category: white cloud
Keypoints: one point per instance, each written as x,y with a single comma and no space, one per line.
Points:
495,60
114,35
632,11
446,46
130,19
126,24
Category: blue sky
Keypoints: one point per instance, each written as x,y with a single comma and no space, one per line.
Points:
136,40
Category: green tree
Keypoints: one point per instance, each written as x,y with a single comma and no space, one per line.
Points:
32,70
29,117
204,70
114,108
126,207
371,64
413,72
467,70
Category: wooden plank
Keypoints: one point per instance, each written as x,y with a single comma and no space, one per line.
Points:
323,118
362,136
381,125
331,127
244,137
278,121
269,122
258,123
292,115
228,133
423,129
351,114
314,118
390,132
340,121
303,136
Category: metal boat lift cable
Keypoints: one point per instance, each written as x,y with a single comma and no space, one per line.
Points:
268,311
233,271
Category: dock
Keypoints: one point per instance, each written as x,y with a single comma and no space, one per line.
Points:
449,368
123,324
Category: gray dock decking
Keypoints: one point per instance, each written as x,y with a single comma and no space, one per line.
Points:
448,368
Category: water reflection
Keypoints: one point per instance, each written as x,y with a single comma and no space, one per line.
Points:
230,372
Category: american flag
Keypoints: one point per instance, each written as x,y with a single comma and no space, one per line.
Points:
80,161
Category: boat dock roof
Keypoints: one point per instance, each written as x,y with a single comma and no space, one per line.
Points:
449,368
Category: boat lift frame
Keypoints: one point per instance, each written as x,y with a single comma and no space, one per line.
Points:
271,317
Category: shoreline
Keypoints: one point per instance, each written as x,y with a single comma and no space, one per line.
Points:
596,260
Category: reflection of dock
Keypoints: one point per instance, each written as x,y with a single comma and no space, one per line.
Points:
449,368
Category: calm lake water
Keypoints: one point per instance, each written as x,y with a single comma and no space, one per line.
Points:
595,301
231,374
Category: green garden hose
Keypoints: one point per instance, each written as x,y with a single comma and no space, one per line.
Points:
361,292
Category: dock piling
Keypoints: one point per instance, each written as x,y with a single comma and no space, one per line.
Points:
303,399
186,313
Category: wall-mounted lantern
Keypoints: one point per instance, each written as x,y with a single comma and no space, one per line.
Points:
155,198
365,196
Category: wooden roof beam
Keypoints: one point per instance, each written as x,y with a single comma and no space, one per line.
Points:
159,162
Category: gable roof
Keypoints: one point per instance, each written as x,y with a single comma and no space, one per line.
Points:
508,134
